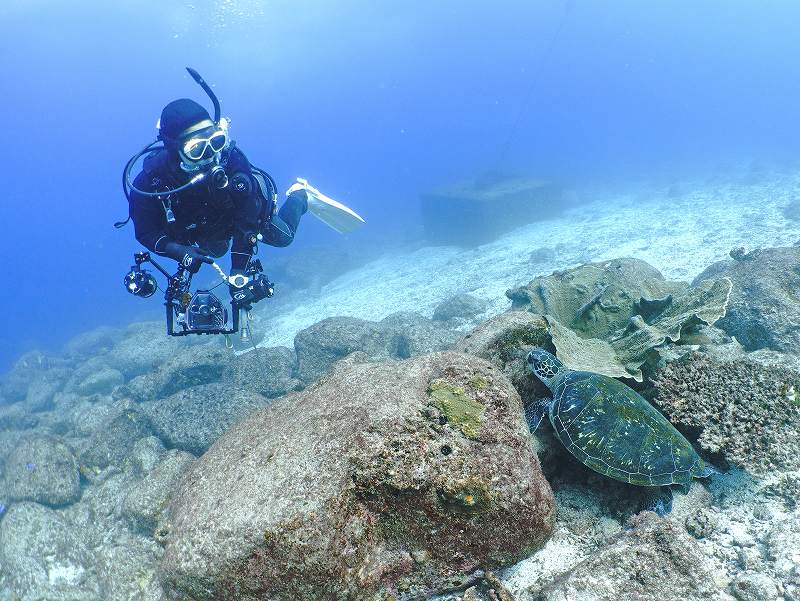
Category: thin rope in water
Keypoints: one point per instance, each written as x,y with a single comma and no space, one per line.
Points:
523,109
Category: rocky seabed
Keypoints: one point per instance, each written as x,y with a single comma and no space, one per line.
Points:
382,453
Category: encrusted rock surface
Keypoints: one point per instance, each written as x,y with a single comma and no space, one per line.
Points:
653,560
192,366
143,348
319,346
148,498
194,418
406,491
31,367
101,381
40,395
745,411
505,340
91,343
112,442
398,336
764,309
45,555
268,371
459,307
42,469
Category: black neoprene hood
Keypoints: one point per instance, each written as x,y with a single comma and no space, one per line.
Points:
178,116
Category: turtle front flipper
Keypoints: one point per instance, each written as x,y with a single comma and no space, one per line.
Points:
659,500
535,412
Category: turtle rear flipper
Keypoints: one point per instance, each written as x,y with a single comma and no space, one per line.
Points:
706,471
659,500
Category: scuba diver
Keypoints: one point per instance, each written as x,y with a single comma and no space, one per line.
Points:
196,197
197,193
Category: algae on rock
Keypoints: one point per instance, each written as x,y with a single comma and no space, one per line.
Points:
504,340
393,500
457,406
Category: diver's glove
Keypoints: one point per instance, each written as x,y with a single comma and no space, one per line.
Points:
191,257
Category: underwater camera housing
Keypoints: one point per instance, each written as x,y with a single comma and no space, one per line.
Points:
205,313
199,312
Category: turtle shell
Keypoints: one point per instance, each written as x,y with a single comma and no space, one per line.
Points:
613,430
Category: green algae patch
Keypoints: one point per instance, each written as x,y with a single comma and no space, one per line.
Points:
461,411
479,383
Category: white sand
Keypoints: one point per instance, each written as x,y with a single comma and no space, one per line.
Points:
679,236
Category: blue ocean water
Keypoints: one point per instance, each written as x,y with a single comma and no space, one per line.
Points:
372,102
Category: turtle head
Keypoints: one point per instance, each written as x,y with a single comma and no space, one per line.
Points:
544,366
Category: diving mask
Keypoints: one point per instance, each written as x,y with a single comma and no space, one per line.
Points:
202,148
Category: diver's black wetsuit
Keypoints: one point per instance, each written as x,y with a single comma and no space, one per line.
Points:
207,216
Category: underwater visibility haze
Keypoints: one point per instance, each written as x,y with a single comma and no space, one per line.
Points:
373,103
541,270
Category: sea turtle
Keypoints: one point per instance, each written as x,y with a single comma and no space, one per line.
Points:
610,428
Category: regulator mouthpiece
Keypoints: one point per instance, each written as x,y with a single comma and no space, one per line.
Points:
219,179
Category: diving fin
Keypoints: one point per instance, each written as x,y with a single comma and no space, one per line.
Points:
332,213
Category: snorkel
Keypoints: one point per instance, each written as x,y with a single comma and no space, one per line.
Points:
207,89
216,172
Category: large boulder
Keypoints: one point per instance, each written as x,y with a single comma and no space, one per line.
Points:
113,441
94,342
40,395
126,569
398,336
190,366
9,441
85,371
148,498
102,381
17,417
144,347
84,417
44,470
399,478
654,559
322,344
31,367
411,334
764,308
505,340
268,371
461,307
194,418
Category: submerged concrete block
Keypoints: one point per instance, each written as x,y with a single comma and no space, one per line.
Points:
478,212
